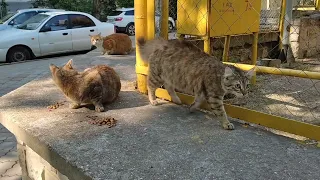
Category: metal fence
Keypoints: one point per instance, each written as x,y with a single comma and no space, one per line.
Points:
280,41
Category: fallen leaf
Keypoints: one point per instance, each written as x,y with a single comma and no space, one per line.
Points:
245,125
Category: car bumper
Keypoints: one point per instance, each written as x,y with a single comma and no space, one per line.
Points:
3,55
120,29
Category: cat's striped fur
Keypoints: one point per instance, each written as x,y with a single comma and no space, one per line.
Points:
179,65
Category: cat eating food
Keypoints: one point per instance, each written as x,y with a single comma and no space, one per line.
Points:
114,44
179,65
97,85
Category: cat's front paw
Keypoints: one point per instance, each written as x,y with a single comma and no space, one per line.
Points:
154,102
228,126
99,108
74,106
176,101
192,109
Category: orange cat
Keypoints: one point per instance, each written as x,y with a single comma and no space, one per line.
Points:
117,43
97,85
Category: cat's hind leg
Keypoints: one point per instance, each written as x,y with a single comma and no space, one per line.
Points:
74,105
173,94
153,83
96,97
198,99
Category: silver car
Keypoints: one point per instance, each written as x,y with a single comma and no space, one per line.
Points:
15,19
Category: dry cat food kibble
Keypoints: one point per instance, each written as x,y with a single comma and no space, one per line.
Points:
109,121
55,105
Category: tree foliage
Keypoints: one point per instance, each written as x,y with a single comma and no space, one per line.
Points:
98,8
3,6
125,3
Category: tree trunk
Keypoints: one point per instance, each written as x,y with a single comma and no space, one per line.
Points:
97,8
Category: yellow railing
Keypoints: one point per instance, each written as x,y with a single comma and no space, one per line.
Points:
275,122
140,19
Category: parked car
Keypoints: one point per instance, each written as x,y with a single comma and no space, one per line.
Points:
123,19
15,19
51,33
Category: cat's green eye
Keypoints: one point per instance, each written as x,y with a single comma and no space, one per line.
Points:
238,86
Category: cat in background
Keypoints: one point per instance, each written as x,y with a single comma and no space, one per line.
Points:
114,44
179,65
97,85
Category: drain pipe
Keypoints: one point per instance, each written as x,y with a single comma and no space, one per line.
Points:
286,50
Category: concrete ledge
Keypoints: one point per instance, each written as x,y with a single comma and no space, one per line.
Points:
162,142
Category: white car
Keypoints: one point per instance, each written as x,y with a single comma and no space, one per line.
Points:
51,33
14,19
123,19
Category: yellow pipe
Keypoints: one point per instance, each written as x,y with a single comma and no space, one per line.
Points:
226,48
317,5
279,71
207,38
281,24
151,19
164,19
305,8
254,54
207,45
140,7
267,120
261,69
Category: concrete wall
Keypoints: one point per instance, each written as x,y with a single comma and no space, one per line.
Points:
305,34
35,167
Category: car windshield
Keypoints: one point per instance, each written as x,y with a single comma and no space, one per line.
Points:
34,22
5,18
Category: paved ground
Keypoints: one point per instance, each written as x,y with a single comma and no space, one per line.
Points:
13,76
163,142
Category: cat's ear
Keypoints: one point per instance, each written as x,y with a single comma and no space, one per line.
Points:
53,68
228,71
69,64
250,73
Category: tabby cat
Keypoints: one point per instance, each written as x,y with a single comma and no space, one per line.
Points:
179,65
97,85
114,44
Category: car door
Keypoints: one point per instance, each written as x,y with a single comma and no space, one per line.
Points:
81,27
55,36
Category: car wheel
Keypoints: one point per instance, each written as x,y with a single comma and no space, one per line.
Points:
170,27
130,29
18,54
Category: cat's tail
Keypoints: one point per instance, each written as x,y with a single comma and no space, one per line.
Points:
146,48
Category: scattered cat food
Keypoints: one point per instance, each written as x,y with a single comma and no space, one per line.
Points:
55,105
109,121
